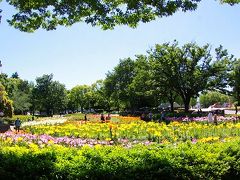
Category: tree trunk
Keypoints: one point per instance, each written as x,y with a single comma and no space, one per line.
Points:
171,99
172,107
186,102
48,112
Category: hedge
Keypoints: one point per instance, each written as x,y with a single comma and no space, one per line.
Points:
183,161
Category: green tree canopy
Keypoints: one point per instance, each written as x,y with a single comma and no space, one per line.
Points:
79,97
117,83
190,69
49,96
6,106
20,94
212,97
235,81
35,14
100,100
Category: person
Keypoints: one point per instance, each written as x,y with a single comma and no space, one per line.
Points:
142,116
85,117
17,124
150,116
215,119
210,117
108,117
102,117
162,116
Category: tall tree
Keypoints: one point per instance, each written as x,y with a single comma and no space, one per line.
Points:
21,95
79,98
100,100
190,69
142,92
235,83
118,82
213,97
49,95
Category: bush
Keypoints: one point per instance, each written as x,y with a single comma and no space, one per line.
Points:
23,118
184,161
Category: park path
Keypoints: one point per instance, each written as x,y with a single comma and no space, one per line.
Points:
47,121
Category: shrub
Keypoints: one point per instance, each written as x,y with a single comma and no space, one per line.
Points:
183,161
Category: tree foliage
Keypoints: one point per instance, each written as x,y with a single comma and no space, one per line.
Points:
100,101
6,106
167,73
49,95
189,69
78,97
21,95
35,14
118,83
212,97
235,81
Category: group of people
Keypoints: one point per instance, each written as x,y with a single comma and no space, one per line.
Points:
102,117
146,117
212,118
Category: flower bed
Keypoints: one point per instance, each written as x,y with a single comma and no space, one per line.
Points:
127,148
138,130
201,119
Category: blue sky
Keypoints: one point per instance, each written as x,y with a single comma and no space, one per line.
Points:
82,54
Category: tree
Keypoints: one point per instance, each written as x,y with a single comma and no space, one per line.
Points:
117,84
21,95
161,85
78,97
18,91
142,92
4,80
49,95
231,2
32,15
190,69
6,106
235,83
99,98
35,14
213,97
21,102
